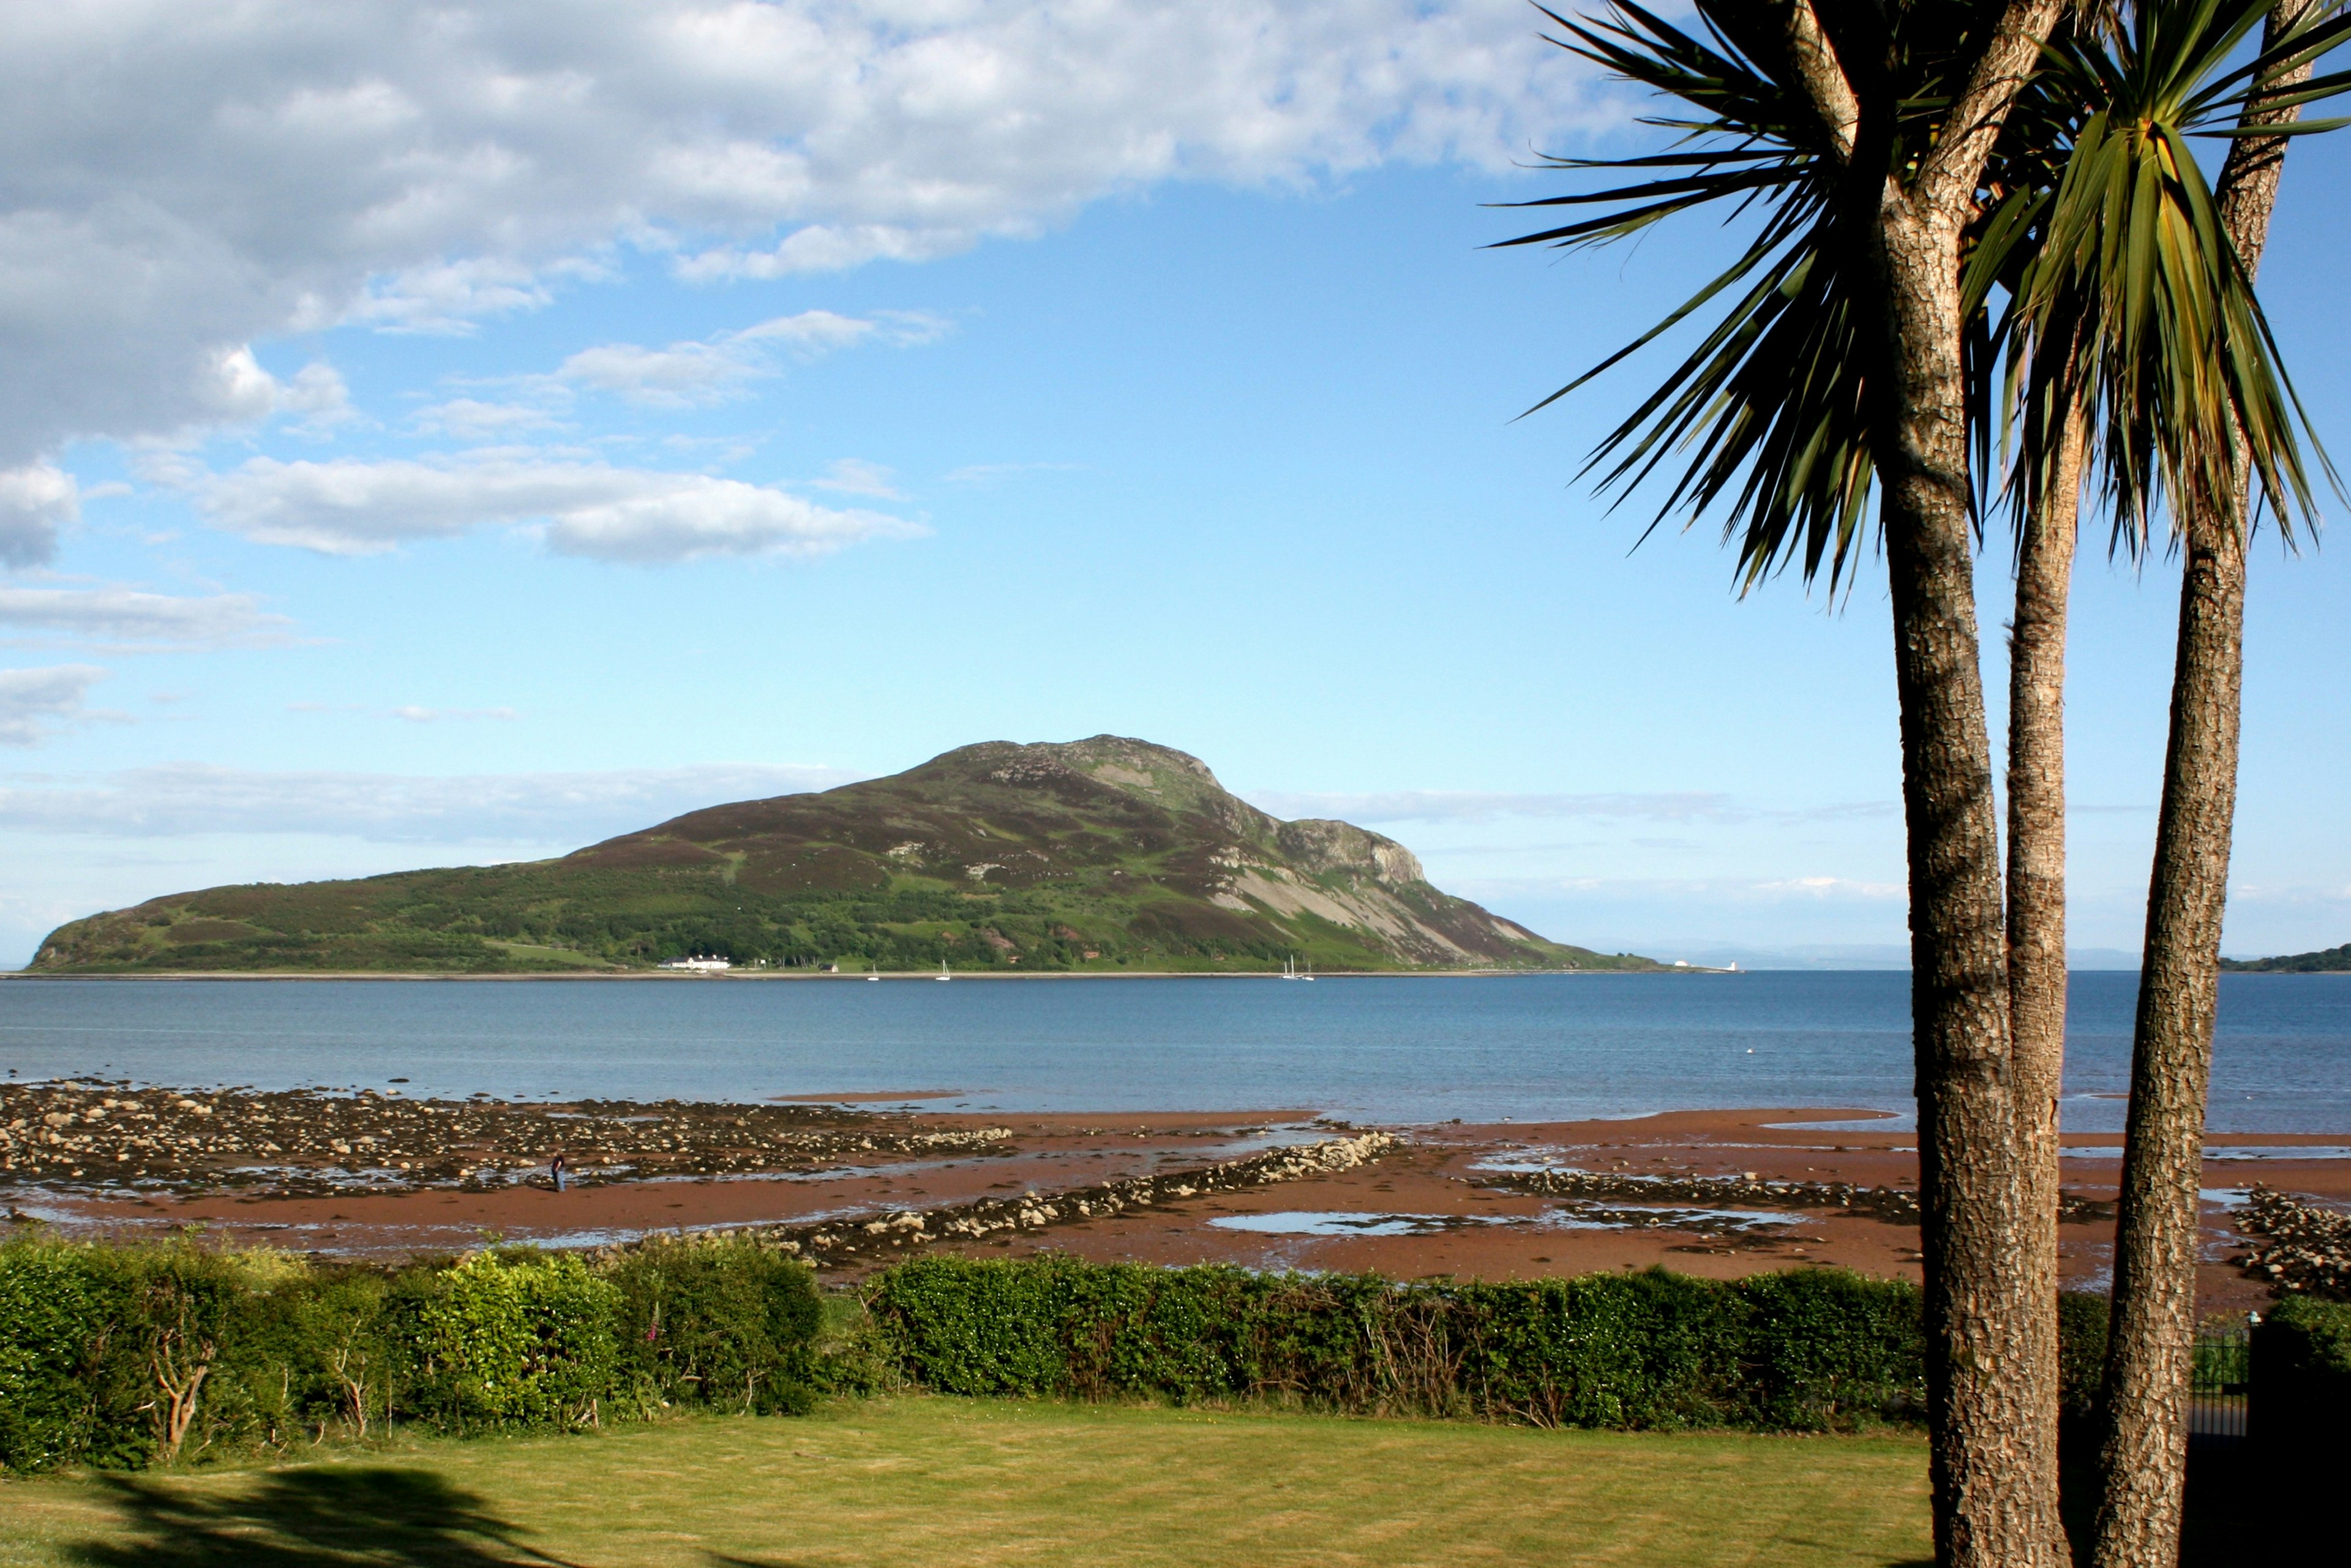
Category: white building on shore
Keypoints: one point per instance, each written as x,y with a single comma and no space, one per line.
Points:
711,965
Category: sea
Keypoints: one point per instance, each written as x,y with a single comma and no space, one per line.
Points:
1394,1050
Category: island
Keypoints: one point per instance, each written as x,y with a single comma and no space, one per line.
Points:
1107,855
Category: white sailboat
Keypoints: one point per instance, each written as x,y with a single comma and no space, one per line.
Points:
943,974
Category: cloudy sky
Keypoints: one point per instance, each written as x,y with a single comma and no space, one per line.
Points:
459,433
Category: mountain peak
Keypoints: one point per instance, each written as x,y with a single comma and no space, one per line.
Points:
1157,773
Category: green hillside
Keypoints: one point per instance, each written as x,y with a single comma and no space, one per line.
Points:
2328,960
1101,854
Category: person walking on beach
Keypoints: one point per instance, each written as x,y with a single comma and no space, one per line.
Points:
555,1168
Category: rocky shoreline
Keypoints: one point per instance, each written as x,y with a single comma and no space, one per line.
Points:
1894,1205
81,1134
2295,1245
849,1186
834,1245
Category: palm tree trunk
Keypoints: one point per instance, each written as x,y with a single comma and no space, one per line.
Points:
2036,887
1995,1485
1994,1482
2152,1341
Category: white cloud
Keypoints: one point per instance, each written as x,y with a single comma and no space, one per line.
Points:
856,477
1829,887
678,376
990,473
471,419
1473,806
581,508
36,500
709,371
822,332
178,182
35,704
1693,891
126,616
687,517
552,809
318,394
415,715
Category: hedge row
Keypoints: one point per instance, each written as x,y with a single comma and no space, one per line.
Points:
1805,1350
117,1356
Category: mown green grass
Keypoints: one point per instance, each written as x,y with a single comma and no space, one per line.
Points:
896,1483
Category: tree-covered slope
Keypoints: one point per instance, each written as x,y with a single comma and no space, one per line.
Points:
2328,960
1107,853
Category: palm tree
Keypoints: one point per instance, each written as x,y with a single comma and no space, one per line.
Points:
2151,1344
1788,407
1846,359
2148,350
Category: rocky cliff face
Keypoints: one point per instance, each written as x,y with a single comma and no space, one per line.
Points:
1322,845
1330,871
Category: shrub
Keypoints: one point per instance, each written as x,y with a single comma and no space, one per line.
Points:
117,1356
2081,1351
509,1338
58,1314
2312,1337
340,1328
1819,1345
727,1325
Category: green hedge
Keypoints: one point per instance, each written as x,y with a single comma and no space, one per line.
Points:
118,1356
727,1326
1806,1350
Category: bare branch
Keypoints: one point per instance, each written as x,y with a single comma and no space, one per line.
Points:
2249,175
1824,77
1947,182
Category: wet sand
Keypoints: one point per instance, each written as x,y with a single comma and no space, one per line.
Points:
1456,1199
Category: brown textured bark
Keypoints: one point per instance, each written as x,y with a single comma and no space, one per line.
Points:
2036,887
1993,1504
1994,1477
2152,1339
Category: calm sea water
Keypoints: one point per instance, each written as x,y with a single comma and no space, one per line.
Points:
1398,1049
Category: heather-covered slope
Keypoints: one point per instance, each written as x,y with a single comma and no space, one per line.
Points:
1107,853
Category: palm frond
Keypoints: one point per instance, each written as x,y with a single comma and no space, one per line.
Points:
2134,296
2097,268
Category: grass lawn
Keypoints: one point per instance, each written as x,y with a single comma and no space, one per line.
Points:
931,1482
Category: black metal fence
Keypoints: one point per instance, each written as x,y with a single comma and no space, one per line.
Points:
2218,1390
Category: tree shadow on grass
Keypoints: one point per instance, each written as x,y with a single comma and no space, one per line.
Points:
323,1518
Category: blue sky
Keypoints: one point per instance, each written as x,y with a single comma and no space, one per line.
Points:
438,444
